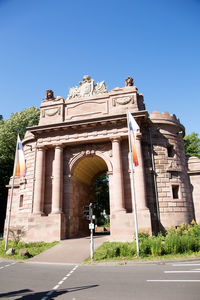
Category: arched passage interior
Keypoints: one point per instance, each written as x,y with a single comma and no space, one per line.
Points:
84,173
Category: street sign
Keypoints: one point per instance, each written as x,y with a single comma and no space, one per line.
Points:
91,226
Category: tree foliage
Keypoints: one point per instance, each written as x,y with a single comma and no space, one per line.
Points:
192,144
101,198
9,129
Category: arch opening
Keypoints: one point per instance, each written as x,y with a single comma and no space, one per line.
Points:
101,204
85,189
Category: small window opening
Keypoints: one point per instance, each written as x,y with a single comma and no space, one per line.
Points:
21,201
174,175
170,150
175,191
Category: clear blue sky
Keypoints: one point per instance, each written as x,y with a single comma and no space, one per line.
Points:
51,44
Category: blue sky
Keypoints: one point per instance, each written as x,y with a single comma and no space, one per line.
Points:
51,44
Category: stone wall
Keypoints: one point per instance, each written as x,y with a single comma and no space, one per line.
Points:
194,175
174,194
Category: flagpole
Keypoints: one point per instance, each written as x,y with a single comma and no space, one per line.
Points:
10,203
133,190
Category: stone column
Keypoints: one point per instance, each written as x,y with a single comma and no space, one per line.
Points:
139,179
38,206
117,180
57,181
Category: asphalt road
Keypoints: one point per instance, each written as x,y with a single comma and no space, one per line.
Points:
138,281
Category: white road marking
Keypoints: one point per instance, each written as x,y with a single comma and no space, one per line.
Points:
55,287
8,265
175,280
179,272
59,283
182,271
185,265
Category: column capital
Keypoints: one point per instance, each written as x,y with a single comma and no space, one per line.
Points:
59,146
41,148
116,139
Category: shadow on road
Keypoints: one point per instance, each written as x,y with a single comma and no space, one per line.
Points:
30,295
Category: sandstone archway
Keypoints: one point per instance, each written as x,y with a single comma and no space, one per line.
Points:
84,170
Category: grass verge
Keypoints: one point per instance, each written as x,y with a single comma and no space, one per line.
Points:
181,242
34,248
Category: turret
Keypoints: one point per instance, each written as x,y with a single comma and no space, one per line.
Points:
173,188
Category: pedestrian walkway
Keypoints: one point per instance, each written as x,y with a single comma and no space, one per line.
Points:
71,251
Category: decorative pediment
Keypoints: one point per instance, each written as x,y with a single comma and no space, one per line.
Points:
87,88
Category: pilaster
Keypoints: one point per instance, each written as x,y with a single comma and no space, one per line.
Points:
57,181
38,206
117,180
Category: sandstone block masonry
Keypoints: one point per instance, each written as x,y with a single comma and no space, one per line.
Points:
86,134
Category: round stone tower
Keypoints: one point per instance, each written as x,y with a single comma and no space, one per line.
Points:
173,191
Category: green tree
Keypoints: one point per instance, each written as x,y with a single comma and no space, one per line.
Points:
9,129
192,144
101,198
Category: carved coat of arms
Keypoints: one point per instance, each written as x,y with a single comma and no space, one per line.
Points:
87,88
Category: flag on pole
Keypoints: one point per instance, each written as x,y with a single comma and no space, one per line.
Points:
20,163
18,170
133,126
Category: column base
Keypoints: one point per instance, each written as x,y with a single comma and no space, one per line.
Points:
144,220
38,213
122,225
120,211
56,212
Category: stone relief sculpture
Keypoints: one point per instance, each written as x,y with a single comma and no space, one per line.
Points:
49,95
129,81
123,100
100,88
87,88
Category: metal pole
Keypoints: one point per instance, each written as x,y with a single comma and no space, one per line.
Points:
91,232
155,181
91,242
9,212
133,190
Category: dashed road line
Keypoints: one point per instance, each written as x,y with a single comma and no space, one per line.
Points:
172,280
59,283
192,271
179,272
8,265
185,265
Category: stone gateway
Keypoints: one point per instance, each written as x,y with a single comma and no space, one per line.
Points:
85,135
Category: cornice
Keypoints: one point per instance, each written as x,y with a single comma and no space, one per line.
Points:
92,123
